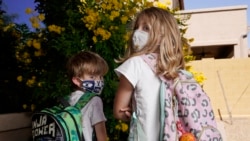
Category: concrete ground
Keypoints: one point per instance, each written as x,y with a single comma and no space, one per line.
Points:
236,129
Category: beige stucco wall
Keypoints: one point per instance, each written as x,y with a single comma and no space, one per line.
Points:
219,26
228,86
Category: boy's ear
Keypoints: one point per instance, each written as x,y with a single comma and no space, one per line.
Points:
76,81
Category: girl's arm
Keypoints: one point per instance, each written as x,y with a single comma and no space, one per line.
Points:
121,108
100,130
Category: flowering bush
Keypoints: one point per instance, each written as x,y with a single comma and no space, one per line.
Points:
101,26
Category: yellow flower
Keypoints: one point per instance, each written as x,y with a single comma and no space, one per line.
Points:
25,106
9,26
115,14
124,127
126,37
28,11
55,28
36,44
19,78
118,127
109,7
168,2
34,22
83,1
39,84
198,76
6,28
160,5
103,33
111,28
103,6
124,19
91,19
26,55
117,5
32,107
41,17
94,39
38,53
191,40
149,4
29,43
40,35
27,61
33,77
111,18
30,82
35,25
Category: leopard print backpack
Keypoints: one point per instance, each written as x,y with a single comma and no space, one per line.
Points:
186,111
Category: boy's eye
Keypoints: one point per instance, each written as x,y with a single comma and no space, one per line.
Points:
92,77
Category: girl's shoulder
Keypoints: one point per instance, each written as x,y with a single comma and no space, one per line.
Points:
140,57
134,59
132,62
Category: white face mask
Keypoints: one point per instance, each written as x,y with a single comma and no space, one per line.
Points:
140,38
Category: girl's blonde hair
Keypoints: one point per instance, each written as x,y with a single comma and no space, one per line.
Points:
164,39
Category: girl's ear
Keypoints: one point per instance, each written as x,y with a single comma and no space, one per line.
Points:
76,81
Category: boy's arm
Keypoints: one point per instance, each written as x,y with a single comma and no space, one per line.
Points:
101,133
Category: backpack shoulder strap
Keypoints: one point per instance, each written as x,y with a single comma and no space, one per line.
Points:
150,59
84,99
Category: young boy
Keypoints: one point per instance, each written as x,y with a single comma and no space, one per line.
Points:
86,70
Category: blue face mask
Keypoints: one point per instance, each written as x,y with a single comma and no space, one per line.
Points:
93,86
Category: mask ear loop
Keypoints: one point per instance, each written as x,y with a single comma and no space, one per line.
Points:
81,81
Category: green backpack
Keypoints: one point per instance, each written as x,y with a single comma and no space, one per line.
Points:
60,123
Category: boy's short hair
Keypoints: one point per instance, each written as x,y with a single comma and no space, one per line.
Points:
86,62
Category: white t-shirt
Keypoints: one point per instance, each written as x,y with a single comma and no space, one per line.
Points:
145,100
92,113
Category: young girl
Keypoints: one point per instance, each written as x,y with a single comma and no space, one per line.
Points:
86,70
155,30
